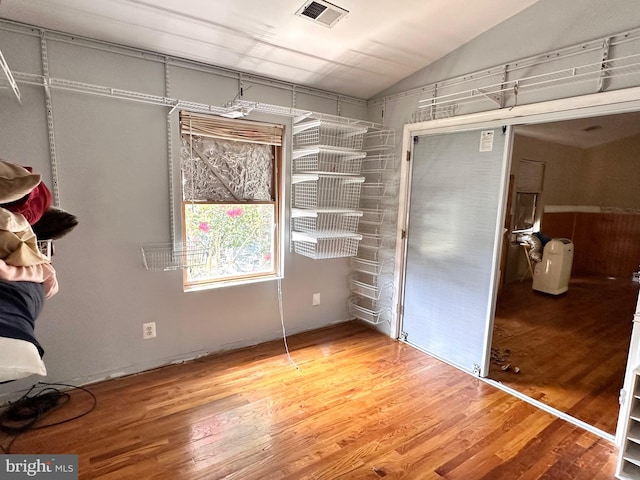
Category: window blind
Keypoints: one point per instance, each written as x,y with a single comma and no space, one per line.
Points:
205,125
530,176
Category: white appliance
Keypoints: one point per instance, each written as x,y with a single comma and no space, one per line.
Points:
552,274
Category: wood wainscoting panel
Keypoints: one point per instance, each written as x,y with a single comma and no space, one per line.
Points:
604,243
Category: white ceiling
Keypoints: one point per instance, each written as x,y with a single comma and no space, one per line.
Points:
585,132
377,44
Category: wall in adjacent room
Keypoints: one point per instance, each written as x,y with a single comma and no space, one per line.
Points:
612,174
605,176
563,170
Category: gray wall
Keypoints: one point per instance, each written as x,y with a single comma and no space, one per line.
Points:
113,175
545,26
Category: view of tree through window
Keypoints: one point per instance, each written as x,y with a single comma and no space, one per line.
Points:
233,240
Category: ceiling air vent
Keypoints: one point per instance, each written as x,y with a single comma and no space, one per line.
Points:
322,12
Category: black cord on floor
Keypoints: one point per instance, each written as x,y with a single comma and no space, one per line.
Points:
25,413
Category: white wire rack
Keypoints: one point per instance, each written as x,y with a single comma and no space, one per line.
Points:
325,187
369,289
160,257
385,229
371,254
374,190
375,241
319,245
326,191
9,78
327,220
325,133
379,140
367,310
372,267
376,216
378,163
324,159
372,281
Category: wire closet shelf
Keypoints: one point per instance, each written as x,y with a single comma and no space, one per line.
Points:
326,185
162,257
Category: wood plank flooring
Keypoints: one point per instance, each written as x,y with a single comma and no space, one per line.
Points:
361,407
571,349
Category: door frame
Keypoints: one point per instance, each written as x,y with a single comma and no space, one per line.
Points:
605,103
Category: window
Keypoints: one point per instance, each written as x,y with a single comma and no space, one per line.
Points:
231,208
525,217
529,187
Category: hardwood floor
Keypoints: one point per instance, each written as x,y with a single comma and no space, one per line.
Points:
571,349
362,407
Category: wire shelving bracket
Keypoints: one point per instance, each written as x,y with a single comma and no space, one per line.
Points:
9,76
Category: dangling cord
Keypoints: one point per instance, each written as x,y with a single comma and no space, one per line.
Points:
284,333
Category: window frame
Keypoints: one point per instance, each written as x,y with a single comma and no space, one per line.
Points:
529,181
532,212
277,188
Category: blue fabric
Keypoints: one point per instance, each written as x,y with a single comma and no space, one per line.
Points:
20,305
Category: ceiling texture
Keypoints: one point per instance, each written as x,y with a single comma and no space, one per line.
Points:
376,44
585,132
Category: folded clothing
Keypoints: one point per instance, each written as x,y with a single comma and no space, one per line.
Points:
18,242
43,273
20,305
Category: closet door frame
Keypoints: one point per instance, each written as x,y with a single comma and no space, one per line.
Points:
604,103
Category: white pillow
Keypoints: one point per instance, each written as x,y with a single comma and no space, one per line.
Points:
19,359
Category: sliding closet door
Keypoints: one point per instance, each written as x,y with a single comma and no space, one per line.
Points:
455,224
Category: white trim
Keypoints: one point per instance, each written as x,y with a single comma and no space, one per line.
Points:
497,249
571,208
521,396
553,411
605,103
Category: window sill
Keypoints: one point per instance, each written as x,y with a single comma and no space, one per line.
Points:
230,283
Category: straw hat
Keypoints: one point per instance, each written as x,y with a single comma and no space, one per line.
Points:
15,182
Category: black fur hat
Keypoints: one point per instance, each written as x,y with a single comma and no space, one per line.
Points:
55,223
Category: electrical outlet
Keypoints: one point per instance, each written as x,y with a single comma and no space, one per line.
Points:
316,299
148,330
